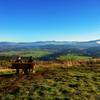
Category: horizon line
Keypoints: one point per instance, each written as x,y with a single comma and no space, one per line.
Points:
52,41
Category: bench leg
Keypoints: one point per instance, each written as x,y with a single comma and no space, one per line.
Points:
26,71
17,71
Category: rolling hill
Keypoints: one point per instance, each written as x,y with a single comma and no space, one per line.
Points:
89,48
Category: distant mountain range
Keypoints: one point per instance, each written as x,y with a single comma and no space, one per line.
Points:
91,48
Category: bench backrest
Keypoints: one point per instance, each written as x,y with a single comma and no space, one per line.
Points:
16,65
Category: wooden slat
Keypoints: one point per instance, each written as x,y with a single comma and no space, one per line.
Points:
22,65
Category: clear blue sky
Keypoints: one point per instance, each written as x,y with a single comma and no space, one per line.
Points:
41,20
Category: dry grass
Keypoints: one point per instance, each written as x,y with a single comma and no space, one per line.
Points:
5,70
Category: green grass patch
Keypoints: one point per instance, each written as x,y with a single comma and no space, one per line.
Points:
72,57
34,53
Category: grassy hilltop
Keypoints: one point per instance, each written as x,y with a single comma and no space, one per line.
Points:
82,83
53,79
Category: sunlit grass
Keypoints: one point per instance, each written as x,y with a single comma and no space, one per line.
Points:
73,57
34,53
53,83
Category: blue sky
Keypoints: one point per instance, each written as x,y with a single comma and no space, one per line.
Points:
47,20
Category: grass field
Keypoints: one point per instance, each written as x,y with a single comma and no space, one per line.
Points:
34,53
72,57
82,83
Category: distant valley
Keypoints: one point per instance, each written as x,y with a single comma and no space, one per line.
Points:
53,48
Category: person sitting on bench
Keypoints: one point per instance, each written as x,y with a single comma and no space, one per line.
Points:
18,60
30,61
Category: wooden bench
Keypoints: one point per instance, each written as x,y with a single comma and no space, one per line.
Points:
23,67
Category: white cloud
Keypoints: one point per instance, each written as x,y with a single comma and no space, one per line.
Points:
98,42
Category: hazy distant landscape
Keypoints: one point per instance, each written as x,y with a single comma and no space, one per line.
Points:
50,48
